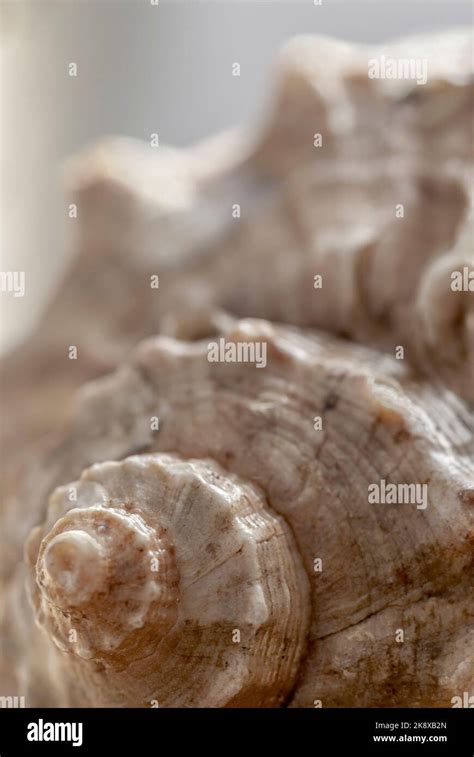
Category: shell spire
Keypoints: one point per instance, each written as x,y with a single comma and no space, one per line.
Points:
170,581
105,575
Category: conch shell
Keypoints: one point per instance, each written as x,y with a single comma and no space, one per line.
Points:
204,533
235,558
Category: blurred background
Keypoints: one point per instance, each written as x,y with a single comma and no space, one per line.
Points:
142,68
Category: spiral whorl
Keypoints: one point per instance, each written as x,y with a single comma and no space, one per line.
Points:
106,577
169,580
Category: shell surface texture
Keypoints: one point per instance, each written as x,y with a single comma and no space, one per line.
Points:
255,486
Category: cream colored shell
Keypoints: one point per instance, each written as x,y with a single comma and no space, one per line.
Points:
299,597
384,567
